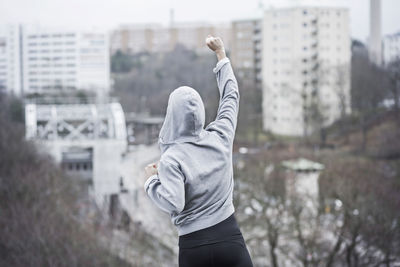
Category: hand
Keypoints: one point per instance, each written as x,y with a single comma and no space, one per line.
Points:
216,45
151,170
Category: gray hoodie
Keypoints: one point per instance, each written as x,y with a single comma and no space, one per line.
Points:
194,183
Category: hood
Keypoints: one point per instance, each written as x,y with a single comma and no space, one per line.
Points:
185,118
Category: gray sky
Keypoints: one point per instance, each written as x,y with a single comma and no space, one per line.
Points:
106,14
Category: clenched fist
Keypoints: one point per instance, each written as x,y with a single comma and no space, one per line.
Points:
216,45
151,170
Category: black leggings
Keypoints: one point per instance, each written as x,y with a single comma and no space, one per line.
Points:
216,246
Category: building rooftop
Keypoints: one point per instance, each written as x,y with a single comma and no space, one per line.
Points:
302,164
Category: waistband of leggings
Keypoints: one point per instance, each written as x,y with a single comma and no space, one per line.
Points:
223,231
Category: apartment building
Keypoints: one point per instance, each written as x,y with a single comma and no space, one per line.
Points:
246,51
40,60
152,38
57,60
136,38
391,48
305,68
10,59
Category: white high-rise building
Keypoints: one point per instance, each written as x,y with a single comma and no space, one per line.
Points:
391,48
10,59
375,32
57,60
305,68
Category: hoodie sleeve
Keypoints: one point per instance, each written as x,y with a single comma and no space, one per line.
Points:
226,120
166,189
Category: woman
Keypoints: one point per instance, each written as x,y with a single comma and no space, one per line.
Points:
193,181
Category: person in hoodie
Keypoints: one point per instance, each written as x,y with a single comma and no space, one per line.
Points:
193,180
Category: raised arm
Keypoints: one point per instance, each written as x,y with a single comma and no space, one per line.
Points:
226,120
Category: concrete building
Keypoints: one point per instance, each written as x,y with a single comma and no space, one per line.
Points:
56,60
391,48
375,32
86,140
305,68
10,59
246,51
138,38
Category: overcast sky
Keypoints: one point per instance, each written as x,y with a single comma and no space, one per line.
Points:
106,14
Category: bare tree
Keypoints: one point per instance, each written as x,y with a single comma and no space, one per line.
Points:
393,70
367,88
